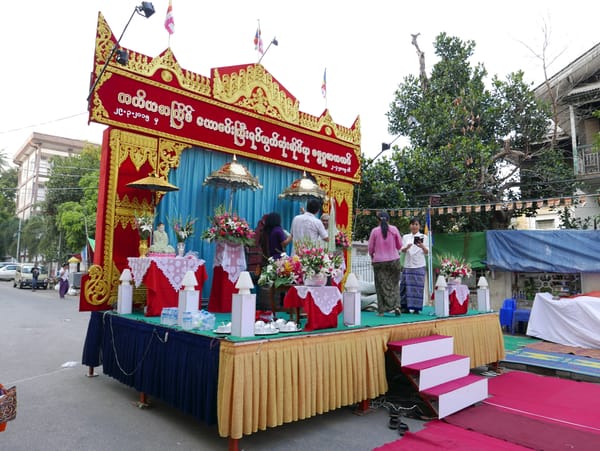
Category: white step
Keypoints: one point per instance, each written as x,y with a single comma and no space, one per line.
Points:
458,394
416,350
430,373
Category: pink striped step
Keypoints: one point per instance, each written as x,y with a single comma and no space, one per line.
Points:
433,372
456,395
447,387
397,345
415,350
425,364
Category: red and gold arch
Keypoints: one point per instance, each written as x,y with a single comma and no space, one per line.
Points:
155,110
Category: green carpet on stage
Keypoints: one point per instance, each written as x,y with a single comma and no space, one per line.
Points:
368,319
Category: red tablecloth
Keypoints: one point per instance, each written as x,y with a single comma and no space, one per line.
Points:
321,304
161,292
221,291
459,299
230,261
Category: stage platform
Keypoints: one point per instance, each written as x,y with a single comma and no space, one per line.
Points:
251,384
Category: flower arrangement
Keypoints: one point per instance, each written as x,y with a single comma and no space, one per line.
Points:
228,227
144,224
454,267
342,241
286,270
309,260
183,230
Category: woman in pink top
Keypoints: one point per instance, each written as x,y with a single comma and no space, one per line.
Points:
385,243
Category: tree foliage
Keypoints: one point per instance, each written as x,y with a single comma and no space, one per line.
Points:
8,222
471,144
71,200
380,189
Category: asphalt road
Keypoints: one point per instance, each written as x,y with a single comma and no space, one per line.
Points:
59,408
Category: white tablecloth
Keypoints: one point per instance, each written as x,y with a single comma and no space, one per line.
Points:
326,298
174,268
462,292
567,321
232,258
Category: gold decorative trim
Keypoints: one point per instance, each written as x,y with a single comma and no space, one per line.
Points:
161,155
139,149
125,209
169,154
255,89
191,81
143,65
343,191
96,287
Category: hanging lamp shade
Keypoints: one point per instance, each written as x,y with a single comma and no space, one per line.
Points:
303,189
153,183
233,176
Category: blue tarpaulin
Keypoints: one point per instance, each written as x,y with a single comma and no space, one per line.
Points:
561,251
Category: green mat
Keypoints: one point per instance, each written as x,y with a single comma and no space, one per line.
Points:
368,319
514,342
516,351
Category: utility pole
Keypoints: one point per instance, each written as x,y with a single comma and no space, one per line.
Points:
19,242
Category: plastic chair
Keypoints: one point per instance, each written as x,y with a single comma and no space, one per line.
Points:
507,312
520,315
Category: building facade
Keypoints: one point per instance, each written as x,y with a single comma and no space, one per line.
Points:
33,168
575,93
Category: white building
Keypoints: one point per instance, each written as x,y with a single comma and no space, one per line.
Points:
33,165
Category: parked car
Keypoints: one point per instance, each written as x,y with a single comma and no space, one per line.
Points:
7,272
23,276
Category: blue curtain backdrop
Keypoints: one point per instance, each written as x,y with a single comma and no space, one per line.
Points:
196,200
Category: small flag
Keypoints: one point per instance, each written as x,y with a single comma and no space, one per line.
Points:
427,229
258,43
324,84
169,21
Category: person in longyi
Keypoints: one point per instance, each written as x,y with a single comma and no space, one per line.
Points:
385,243
63,280
412,284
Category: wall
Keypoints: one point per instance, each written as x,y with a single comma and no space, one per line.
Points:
590,282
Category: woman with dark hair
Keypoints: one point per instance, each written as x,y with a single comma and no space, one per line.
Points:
385,243
276,238
416,247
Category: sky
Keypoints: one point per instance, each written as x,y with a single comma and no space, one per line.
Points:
364,45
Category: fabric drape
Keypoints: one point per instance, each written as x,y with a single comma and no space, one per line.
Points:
195,200
181,370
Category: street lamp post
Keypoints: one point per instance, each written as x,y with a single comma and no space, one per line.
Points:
19,241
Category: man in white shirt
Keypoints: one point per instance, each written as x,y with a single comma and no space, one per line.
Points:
307,226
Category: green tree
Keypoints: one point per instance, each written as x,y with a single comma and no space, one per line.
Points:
8,222
33,232
3,161
380,190
72,198
471,144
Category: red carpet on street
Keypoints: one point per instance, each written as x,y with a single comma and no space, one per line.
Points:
523,411
564,401
439,435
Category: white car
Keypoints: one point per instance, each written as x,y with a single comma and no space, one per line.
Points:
7,272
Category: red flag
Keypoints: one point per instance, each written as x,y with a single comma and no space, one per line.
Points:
258,43
324,84
169,21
